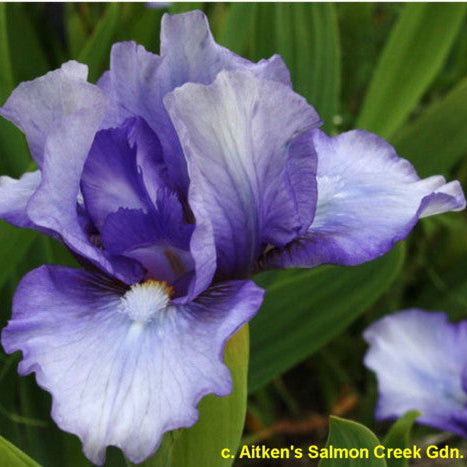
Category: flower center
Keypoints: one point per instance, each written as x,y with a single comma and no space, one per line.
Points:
144,300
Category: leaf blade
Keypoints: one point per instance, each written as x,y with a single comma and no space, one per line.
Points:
96,51
13,457
221,421
307,37
282,336
398,437
414,54
352,435
437,139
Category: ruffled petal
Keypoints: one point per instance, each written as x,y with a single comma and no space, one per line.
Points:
150,371
235,135
191,55
38,106
368,199
419,358
14,197
138,80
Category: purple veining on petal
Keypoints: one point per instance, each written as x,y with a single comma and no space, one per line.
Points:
149,373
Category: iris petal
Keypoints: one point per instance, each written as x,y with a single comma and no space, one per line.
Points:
14,197
124,366
138,80
236,135
419,359
37,106
159,240
54,205
368,199
191,55
116,168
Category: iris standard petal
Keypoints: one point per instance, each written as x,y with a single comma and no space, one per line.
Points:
368,199
149,156
235,135
38,106
138,80
136,89
419,358
130,82
14,197
124,365
301,172
129,228
190,54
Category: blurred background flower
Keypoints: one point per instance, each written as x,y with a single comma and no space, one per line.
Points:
420,361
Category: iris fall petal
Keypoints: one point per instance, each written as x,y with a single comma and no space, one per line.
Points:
368,199
123,365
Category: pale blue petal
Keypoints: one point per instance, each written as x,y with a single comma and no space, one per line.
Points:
124,366
14,197
54,205
419,358
368,199
38,106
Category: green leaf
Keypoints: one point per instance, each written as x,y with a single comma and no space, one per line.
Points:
262,41
14,244
359,52
29,59
221,420
96,51
181,7
437,139
415,52
307,38
76,34
140,24
305,309
15,156
11,456
352,435
6,73
398,437
238,27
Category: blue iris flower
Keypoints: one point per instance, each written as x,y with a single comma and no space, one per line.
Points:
420,360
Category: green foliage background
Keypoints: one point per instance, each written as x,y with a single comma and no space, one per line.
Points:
399,70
